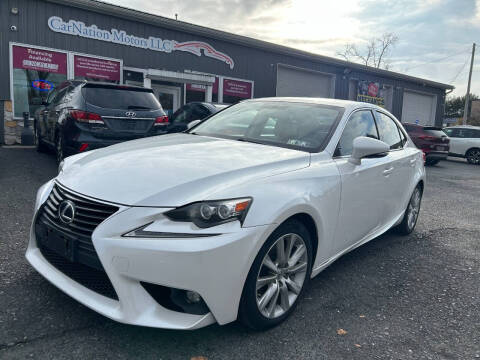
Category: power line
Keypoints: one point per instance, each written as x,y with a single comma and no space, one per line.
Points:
459,72
437,60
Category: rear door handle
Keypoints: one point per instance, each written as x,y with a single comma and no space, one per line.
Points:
388,171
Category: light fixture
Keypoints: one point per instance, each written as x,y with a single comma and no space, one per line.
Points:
14,11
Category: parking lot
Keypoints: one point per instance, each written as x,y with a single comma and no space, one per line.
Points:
414,297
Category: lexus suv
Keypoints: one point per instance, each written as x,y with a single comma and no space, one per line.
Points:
230,219
434,143
79,116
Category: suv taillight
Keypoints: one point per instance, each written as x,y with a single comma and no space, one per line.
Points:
86,117
161,120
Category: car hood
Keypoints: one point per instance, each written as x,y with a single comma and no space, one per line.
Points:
173,170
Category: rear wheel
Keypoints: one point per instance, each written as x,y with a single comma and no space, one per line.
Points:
473,156
277,277
411,214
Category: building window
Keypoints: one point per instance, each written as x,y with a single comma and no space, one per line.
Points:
196,92
236,90
36,72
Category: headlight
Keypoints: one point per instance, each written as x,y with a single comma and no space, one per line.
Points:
60,166
205,214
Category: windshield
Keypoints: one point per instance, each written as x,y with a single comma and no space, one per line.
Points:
300,126
118,98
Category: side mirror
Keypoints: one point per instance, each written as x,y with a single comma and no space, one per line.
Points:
364,146
193,123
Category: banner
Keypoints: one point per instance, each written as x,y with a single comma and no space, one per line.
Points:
39,60
370,92
94,68
237,88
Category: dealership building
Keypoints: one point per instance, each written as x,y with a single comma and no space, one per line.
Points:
45,42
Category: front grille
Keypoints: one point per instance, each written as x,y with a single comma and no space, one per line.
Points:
73,242
92,279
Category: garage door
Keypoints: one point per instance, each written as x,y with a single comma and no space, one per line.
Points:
298,82
419,108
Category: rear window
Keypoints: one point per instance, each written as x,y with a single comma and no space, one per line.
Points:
118,98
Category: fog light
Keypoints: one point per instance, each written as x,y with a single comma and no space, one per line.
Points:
193,297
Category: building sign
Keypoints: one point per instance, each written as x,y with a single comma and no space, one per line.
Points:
370,92
78,28
39,60
203,88
94,68
238,88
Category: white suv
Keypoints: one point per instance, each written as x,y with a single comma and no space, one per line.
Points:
465,142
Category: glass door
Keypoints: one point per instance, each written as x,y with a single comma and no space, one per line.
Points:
169,97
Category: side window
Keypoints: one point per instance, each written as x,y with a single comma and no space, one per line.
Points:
58,98
199,112
452,132
388,131
476,134
182,115
361,123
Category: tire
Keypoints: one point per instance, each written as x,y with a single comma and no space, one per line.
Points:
286,285
40,146
59,147
473,156
413,210
431,162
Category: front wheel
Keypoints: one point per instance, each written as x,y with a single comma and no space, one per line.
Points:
473,156
431,162
277,277
411,214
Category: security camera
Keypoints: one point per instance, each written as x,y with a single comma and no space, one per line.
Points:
13,28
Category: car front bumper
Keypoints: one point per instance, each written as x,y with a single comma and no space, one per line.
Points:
215,267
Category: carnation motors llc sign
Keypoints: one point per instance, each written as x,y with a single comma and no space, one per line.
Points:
78,28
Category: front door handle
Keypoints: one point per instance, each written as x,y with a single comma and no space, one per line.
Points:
388,171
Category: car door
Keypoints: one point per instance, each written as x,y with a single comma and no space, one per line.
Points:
455,141
54,111
402,162
364,186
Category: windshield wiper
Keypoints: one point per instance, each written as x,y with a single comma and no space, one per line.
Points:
249,140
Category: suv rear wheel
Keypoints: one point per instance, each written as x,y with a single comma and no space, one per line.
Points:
473,156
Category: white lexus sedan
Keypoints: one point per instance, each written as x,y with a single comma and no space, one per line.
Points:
230,219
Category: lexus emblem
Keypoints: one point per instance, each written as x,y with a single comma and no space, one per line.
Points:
130,114
66,211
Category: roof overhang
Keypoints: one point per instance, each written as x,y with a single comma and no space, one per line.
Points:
179,77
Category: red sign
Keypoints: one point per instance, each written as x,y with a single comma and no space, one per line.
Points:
237,88
203,88
40,60
100,69
372,89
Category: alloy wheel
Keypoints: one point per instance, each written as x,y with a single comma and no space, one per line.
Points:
414,208
281,275
473,156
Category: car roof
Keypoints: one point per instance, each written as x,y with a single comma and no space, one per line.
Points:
347,104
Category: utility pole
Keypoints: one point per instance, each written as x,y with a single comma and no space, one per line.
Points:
467,97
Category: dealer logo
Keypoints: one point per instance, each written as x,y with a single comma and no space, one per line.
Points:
66,211
130,114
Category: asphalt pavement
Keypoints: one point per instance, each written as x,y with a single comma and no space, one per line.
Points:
414,297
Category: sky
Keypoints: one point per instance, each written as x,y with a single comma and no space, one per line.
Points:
435,36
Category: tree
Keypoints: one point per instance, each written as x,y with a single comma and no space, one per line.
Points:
455,105
374,54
